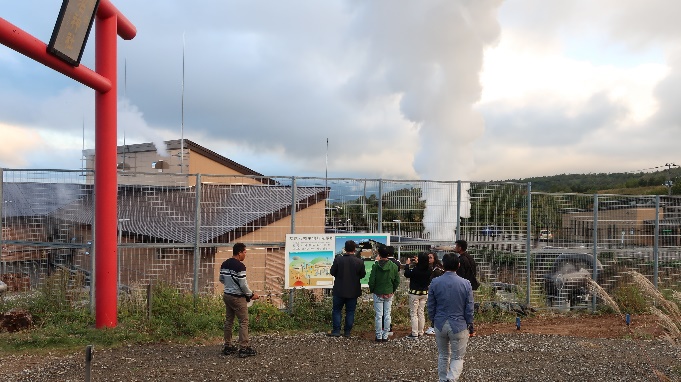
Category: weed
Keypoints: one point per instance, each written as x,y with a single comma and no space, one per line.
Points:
630,299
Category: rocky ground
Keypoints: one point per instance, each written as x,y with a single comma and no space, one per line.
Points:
545,349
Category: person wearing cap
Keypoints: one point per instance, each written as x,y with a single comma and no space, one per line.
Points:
450,307
347,271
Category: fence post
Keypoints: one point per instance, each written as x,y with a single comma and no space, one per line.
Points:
458,209
93,258
595,251
88,362
293,205
150,294
2,202
528,241
656,241
380,206
197,238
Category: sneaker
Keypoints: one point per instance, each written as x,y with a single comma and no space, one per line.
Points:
378,339
346,334
247,352
229,349
332,334
412,335
430,331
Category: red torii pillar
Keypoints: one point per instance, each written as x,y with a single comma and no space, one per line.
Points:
109,23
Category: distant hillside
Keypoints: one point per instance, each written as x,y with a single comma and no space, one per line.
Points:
643,183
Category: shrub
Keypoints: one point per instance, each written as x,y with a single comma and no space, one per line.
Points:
630,299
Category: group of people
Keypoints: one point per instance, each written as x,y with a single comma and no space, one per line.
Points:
444,286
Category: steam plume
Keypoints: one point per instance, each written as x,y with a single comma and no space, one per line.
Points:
437,87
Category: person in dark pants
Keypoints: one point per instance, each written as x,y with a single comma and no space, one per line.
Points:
347,271
236,294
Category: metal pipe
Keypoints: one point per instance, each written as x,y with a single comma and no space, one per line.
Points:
124,27
595,251
293,205
197,238
656,243
15,38
88,362
528,242
380,206
458,209
106,177
2,203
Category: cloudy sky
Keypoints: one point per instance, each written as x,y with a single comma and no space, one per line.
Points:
434,89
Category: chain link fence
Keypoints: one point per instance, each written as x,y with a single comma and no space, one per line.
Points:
530,247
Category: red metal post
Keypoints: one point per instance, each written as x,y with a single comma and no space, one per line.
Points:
106,189
15,38
109,24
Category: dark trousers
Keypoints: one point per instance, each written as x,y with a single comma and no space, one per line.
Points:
350,306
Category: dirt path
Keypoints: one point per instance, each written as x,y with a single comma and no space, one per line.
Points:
548,348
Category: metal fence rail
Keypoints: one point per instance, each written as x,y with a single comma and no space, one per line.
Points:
178,228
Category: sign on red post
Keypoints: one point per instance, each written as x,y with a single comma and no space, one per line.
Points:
72,29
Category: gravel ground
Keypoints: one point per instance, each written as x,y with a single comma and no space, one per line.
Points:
315,357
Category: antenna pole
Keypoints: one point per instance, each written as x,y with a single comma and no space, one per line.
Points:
83,158
326,173
182,127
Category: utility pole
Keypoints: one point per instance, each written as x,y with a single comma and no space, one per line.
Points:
669,183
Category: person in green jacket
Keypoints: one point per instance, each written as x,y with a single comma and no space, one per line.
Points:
383,282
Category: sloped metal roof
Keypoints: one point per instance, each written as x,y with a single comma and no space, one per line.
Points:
168,213
39,199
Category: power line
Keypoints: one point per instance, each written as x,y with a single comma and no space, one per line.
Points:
663,167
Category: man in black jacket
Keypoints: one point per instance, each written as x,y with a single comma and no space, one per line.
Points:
467,269
347,271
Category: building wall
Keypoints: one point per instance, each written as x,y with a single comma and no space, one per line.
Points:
200,164
192,163
22,232
265,265
138,168
619,226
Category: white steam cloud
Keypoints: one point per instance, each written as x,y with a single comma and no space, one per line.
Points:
430,53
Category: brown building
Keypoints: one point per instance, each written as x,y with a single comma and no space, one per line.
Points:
158,219
630,224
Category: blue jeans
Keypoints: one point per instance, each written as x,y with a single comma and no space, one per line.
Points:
451,348
350,306
382,307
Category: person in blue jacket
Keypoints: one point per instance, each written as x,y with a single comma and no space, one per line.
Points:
450,307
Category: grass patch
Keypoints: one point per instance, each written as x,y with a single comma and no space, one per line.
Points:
62,318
